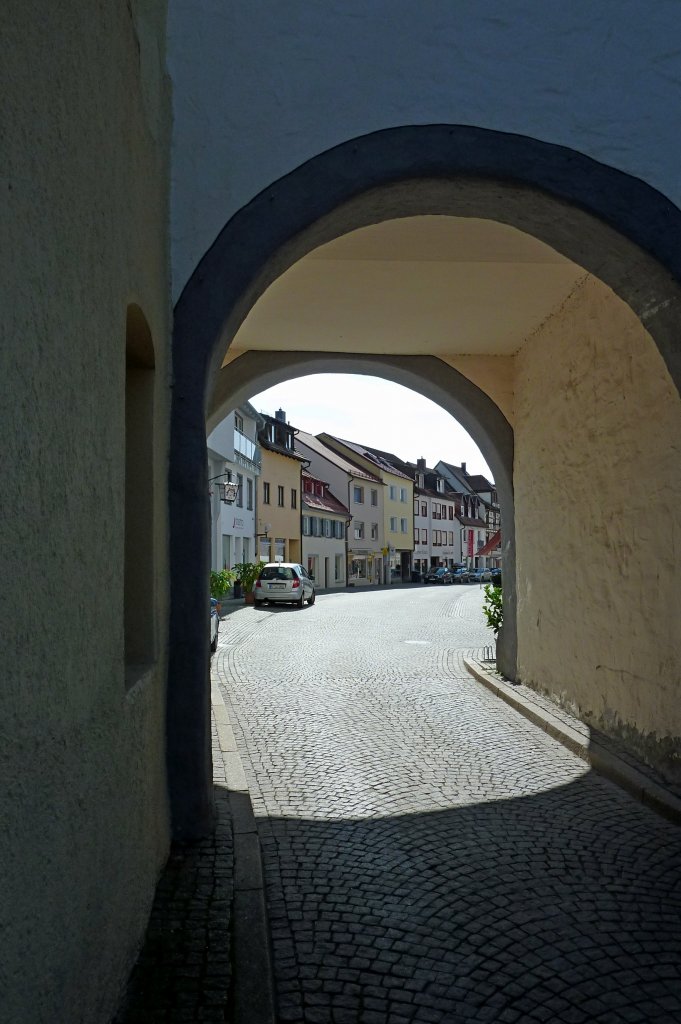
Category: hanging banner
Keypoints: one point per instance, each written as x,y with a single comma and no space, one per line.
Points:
470,543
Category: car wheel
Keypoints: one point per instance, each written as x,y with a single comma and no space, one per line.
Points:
300,602
311,598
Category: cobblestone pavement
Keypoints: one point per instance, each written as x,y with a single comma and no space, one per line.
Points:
429,854
183,973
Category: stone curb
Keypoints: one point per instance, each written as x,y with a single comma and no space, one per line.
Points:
252,975
602,760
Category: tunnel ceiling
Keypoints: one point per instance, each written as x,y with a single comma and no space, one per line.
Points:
416,285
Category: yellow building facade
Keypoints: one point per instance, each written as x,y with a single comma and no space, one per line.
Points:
279,494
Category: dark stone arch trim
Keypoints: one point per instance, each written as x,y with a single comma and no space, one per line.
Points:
614,225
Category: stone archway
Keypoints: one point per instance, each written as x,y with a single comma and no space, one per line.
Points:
255,371
614,226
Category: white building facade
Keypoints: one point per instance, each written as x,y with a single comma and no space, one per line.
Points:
234,456
365,504
324,533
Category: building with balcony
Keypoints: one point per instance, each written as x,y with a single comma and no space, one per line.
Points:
233,458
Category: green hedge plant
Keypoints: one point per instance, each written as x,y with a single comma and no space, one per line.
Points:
493,607
220,582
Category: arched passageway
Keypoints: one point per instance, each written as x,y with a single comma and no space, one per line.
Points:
614,227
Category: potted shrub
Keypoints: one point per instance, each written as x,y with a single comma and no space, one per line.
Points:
246,574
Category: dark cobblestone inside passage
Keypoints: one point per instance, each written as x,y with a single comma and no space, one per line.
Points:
429,854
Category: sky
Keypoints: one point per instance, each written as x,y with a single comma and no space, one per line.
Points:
376,413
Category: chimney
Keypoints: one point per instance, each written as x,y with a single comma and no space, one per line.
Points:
463,465
280,415
421,464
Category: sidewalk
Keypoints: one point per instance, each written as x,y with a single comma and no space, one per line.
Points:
206,953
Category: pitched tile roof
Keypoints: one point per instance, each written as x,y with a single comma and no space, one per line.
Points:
380,459
330,455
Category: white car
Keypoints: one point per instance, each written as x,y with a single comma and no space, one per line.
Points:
284,582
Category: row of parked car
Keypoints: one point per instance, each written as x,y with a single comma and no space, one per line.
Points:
461,575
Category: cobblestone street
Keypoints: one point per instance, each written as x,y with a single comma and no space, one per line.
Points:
429,854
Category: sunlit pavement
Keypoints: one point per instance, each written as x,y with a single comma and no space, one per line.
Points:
429,855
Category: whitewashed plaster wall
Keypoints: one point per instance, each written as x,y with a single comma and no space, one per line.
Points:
598,522
261,87
83,800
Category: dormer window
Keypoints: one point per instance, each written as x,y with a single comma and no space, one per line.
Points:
441,486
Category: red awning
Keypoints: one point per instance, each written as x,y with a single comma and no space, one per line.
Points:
492,543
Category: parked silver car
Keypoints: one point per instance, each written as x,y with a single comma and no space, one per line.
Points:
284,582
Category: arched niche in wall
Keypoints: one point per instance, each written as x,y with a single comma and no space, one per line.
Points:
139,604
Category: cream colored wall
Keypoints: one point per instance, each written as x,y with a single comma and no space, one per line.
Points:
285,522
598,514
495,375
400,509
83,221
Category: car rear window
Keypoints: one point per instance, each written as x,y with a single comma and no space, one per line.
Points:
273,572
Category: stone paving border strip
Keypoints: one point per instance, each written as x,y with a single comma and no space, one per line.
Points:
589,749
252,978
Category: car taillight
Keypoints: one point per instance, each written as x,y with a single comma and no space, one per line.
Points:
296,583
258,583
